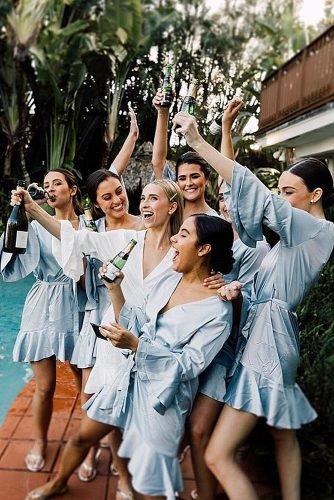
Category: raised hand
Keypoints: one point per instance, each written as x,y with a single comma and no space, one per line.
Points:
119,336
185,124
134,129
231,111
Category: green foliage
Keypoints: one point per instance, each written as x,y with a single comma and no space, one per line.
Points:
316,317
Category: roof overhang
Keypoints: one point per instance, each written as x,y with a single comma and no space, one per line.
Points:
312,131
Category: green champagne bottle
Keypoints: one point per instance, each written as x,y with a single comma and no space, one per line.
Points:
88,218
189,102
16,232
118,262
167,88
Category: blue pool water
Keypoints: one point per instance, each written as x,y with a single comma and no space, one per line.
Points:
13,376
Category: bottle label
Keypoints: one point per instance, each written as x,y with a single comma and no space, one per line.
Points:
21,239
118,262
111,272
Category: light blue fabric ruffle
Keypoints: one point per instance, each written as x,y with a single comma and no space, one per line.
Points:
152,473
284,407
41,344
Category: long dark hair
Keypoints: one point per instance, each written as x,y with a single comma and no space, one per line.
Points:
72,181
93,182
192,157
218,233
315,174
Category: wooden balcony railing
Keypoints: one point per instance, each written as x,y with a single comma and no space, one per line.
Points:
305,82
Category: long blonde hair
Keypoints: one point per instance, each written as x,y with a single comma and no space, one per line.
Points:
174,194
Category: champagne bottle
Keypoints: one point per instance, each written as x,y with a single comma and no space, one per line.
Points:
37,192
88,218
16,232
215,126
118,262
167,88
189,102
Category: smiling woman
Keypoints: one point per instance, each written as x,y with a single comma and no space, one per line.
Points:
192,175
51,314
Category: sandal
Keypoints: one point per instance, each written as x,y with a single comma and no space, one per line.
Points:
90,470
124,495
36,495
34,462
194,495
104,443
184,453
113,469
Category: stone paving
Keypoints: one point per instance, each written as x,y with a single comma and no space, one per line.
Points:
16,436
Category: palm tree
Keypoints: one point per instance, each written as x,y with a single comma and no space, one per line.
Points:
24,24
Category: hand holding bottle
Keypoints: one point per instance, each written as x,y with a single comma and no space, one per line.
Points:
157,99
21,194
185,124
231,111
111,285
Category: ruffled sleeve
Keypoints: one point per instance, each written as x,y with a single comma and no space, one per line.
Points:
16,267
73,245
253,204
166,370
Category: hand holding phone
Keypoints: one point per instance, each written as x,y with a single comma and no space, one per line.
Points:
97,332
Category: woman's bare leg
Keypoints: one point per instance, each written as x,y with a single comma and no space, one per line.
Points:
232,428
124,480
76,449
289,462
88,465
201,424
42,403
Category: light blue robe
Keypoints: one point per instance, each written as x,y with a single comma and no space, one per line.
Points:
247,261
98,301
174,348
51,315
264,382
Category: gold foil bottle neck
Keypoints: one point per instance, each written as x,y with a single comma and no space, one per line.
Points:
192,92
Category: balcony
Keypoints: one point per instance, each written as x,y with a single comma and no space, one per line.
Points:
303,84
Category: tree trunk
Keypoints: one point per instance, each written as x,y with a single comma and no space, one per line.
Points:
21,110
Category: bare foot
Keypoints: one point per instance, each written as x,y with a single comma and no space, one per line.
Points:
48,490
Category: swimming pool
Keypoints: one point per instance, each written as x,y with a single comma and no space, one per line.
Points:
13,376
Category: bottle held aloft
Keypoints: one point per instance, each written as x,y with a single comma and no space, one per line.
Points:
215,126
16,232
88,218
167,88
117,263
189,102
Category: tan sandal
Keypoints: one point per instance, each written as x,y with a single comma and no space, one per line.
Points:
113,469
34,462
36,495
90,470
124,495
